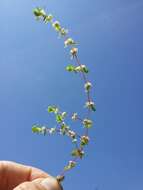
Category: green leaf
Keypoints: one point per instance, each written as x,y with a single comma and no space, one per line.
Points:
39,12
59,118
64,128
85,70
39,129
52,109
93,107
71,165
66,168
81,68
36,129
57,26
75,153
70,68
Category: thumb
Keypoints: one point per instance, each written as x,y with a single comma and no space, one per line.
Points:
49,183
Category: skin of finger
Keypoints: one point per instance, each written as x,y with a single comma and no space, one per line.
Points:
55,184
13,174
30,186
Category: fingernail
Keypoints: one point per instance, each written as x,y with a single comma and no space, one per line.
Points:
49,184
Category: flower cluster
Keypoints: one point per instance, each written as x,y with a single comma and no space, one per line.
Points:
81,68
62,128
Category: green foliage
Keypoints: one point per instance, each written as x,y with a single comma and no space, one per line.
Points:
36,129
70,165
64,128
52,109
39,129
39,12
59,118
57,26
70,68
82,68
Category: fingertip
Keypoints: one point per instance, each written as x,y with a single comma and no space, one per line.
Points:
51,184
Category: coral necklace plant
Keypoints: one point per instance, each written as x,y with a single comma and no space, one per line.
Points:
79,141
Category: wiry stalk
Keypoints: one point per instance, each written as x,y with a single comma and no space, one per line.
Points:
80,141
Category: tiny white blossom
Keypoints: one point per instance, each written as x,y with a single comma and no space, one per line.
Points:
69,41
87,86
72,134
74,116
73,51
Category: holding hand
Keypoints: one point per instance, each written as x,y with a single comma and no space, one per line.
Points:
15,176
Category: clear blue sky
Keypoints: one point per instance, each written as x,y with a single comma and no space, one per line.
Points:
32,76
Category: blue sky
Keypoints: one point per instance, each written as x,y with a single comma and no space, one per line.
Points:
32,76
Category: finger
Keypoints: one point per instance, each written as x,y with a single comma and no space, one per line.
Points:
29,186
40,184
12,174
51,184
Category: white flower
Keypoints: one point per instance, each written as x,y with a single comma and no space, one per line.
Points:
87,86
84,140
87,123
74,51
89,104
69,41
52,130
72,134
74,116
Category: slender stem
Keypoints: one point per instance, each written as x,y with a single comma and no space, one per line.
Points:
88,93
83,75
79,64
59,131
78,118
88,99
64,171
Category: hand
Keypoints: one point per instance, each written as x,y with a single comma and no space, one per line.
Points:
15,176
